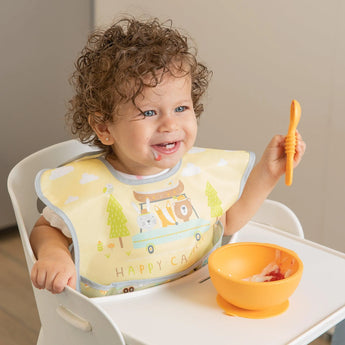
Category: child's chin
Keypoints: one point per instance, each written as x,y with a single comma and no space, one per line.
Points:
168,162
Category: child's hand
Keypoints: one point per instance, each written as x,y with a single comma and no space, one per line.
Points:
54,273
274,157
54,268
261,182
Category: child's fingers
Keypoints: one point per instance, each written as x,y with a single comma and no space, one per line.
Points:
72,281
41,278
50,281
300,148
59,282
33,277
62,279
277,140
53,278
300,144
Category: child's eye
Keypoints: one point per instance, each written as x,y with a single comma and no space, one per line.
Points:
148,113
180,109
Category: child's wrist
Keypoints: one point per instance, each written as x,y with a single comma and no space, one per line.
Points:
56,252
267,175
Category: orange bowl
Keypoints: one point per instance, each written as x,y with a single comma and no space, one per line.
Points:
232,266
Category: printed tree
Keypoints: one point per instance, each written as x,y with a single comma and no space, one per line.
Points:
116,220
213,201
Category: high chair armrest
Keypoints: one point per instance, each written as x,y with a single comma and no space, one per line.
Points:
73,319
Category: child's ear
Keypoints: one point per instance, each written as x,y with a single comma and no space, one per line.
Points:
101,129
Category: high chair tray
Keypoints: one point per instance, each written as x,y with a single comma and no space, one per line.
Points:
185,311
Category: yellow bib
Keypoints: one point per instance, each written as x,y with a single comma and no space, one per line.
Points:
131,234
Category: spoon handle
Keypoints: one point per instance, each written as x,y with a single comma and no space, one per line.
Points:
290,140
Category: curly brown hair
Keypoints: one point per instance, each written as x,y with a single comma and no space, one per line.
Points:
116,64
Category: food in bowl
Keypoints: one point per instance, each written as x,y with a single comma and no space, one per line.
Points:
232,268
274,270
270,273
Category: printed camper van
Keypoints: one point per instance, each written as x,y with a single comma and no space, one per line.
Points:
165,216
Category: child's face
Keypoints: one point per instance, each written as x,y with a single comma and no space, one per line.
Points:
166,128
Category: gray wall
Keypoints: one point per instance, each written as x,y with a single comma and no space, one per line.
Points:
39,43
264,54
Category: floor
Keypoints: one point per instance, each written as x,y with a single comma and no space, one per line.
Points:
19,321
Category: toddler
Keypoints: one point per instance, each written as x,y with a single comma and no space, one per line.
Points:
148,207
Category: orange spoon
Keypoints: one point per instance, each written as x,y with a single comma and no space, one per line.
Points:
290,141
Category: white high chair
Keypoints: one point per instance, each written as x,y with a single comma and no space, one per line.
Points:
70,317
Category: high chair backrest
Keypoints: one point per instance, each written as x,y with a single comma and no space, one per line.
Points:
277,215
67,318
21,184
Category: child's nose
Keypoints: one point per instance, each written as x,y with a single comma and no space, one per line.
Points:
168,122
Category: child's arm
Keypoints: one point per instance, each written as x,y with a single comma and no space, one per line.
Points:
54,268
260,183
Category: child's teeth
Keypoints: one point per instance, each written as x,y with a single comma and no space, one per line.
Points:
168,146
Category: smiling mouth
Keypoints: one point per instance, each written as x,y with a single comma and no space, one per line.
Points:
167,148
